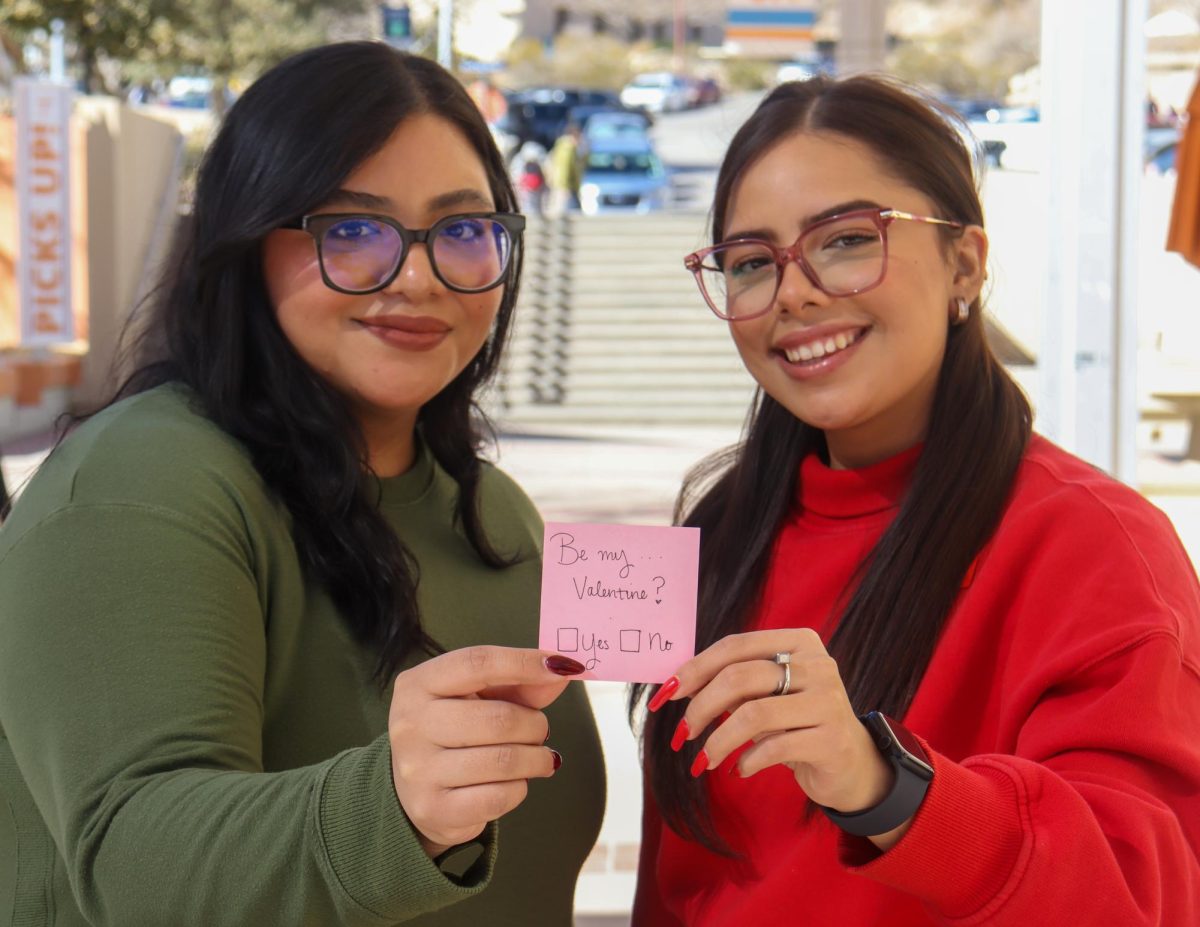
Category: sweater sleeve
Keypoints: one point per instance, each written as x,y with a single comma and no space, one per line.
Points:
132,672
1094,820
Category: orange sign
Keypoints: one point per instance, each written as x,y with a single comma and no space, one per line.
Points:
43,212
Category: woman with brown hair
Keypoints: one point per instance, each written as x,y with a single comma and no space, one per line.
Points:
947,672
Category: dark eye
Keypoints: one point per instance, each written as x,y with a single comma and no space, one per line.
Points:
355,230
851,239
464,230
748,265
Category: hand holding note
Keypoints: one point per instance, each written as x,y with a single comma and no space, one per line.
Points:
467,734
620,599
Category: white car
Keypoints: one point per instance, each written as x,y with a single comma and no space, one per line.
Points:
660,92
794,70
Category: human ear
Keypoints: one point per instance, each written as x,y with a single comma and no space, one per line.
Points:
969,263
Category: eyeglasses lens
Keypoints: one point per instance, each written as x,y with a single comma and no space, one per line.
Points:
472,254
739,279
845,255
358,254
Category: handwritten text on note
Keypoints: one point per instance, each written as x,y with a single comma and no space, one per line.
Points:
620,599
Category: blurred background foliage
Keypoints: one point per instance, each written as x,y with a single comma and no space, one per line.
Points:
968,48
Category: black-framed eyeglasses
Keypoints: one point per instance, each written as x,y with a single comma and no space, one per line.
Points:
363,252
843,255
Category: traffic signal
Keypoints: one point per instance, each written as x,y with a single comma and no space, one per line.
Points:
397,23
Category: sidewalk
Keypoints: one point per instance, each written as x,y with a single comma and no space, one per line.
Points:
633,475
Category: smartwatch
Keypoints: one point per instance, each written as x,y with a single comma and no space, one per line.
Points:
913,775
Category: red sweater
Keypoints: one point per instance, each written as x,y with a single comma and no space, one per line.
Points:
1061,711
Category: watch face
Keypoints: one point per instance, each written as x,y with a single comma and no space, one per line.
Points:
894,739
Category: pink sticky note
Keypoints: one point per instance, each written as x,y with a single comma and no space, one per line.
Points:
620,599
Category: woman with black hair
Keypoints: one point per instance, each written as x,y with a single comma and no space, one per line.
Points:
947,672
265,641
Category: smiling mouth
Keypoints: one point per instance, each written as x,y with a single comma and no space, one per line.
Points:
817,350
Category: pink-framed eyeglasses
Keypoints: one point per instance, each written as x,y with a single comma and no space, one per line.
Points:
843,255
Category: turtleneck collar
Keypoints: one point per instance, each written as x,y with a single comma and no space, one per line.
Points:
830,493
413,484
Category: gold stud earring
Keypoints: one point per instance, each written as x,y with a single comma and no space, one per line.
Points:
964,310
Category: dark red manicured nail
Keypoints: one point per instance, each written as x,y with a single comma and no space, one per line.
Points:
557,758
680,735
564,666
665,691
701,764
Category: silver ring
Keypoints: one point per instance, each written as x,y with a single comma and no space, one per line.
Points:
785,684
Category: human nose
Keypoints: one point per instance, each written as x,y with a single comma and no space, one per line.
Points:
797,290
416,276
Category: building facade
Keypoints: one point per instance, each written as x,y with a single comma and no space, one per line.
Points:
702,21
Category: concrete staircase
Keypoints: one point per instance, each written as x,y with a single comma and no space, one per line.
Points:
610,330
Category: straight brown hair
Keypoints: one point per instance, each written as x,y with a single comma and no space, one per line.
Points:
905,589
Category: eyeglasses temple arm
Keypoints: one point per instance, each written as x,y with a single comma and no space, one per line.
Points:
900,214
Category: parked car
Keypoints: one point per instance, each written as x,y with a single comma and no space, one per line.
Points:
612,124
804,68
582,115
660,92
794,70
702,91
540,114
622,174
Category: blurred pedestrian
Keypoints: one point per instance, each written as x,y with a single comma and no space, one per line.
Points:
531,178
565,172
267,618
489,99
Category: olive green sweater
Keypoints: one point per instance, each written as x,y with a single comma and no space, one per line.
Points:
189,735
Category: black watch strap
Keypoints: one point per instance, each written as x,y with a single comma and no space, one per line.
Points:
913,774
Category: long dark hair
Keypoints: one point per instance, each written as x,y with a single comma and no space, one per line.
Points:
904,590
285,147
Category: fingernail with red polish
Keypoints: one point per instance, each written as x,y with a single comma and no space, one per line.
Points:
665,691
680,735
564,666
701,764
557,758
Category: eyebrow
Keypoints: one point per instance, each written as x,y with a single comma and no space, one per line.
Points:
836,210
359,198
465,196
